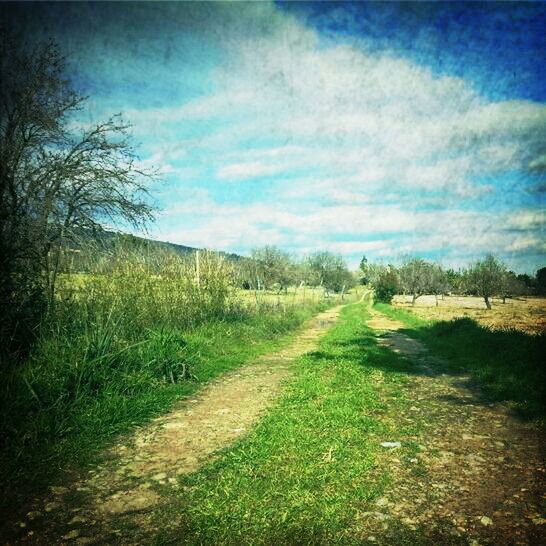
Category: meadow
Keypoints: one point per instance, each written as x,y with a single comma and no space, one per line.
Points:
123,341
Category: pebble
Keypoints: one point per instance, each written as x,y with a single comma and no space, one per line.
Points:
390,444
484,520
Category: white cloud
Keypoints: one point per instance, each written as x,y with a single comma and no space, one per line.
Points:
358,143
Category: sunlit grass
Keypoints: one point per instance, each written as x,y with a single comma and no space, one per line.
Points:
308,470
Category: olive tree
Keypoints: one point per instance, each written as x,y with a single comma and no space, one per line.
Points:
56,181
485,278
329,271
416,277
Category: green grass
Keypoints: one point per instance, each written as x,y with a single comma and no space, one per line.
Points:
509,365
90,381
310,467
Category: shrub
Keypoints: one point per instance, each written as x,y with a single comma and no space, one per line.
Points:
386,286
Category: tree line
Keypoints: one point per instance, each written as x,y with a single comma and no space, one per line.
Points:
487,278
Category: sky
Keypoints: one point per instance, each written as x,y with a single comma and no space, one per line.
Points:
376,129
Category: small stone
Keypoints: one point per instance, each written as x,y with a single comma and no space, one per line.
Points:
159,477
22,524
484,520
391,444
371,538
72,534
382,501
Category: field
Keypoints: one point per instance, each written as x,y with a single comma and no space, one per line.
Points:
527,314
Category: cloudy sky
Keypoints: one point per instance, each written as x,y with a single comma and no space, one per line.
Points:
376,129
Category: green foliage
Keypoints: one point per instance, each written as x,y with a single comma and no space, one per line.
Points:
541,280
271,266
485,278
386,285
328,270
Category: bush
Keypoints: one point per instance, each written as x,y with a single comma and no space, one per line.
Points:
386,286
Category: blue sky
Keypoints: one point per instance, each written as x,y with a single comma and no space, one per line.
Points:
361,128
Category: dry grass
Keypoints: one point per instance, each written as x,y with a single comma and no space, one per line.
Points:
525,314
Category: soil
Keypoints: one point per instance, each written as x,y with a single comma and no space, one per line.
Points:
478,474
527,314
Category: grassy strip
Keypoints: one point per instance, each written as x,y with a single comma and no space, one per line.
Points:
67,403
305,474
508,364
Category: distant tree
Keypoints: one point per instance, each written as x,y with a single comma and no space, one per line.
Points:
512,286
541,280
416,278
328,270
438,283
455,281
272,266
485,278
386,284
528,281
55,181
364,271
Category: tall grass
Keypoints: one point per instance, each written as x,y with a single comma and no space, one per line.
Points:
136,330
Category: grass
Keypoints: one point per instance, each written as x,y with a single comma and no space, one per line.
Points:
508,364
95,379
310,468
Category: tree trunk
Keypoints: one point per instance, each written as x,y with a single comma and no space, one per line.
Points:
436,299
414,297
487,302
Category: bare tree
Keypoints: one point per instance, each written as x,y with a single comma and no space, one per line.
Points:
416,277
55,181
272,266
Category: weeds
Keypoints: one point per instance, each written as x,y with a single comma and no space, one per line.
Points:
134,333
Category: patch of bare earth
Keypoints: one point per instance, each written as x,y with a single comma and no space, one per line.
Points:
527,314
471,473
140,472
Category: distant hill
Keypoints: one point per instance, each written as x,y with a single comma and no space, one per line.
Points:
108,239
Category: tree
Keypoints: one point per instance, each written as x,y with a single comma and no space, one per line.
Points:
541,280
438,283
512,286
416,277
386,284
272,267
364,271
55,181
485,278
328,270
